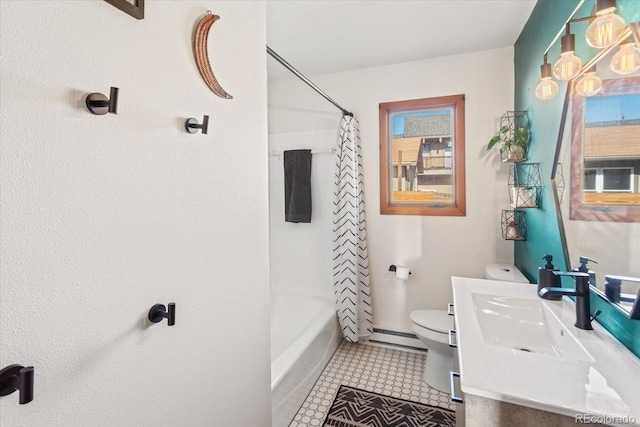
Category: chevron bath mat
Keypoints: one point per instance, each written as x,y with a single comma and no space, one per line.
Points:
353,407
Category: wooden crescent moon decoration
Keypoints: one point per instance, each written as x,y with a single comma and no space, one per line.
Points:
201,53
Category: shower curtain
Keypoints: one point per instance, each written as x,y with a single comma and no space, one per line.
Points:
350,258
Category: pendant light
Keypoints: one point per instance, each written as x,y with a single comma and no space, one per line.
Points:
547,88
590,84
568,66
606,27
627,59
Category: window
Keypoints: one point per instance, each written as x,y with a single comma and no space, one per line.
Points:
590,177
611,179
422,157
617,179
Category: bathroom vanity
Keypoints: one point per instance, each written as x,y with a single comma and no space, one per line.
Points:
521,361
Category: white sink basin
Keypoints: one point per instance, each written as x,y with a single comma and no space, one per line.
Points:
517,348
524,324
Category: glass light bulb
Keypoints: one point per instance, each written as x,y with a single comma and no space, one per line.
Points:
567,67
546,89
626,60
604,30
589,84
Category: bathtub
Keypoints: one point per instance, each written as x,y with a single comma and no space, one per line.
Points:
304,335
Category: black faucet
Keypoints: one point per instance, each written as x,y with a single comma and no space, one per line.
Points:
581,292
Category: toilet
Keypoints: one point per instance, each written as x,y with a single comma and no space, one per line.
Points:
432,328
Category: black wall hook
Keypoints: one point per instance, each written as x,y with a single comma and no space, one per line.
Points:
99,104
17,377
192,126
159,312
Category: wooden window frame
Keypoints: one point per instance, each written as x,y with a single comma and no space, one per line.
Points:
387,205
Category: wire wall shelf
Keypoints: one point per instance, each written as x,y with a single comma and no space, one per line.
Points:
525,185
514,225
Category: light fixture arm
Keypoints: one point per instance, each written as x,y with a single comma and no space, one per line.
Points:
568,41
545,68
560,32
586,18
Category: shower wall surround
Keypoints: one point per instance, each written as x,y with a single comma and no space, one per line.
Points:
434,248
301,257
103,216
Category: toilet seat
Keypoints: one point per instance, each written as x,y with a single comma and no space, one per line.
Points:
435,320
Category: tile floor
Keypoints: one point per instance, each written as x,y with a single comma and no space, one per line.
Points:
380,369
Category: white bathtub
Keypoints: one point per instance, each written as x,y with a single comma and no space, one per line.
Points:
304,335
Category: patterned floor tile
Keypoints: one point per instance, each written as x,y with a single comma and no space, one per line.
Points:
383,370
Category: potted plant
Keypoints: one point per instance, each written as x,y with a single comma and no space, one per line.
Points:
513,137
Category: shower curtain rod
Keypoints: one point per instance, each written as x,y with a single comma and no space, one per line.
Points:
306,80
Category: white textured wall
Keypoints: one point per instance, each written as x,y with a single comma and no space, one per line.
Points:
435,248
104,216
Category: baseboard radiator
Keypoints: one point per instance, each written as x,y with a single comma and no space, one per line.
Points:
403,339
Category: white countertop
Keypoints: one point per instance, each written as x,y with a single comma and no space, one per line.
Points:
607,383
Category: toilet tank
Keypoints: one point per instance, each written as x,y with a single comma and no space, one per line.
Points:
505,273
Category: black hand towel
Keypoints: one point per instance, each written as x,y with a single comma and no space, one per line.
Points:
297,186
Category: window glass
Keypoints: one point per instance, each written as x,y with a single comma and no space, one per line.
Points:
422,157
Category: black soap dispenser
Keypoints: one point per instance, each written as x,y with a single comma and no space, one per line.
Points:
546,277
585,269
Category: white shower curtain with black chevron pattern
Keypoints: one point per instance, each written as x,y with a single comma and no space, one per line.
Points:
350,258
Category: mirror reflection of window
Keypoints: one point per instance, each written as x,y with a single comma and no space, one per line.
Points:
617,179
589,180
612,150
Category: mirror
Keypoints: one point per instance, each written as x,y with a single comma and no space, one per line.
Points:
596,177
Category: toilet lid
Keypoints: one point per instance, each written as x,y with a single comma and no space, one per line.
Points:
436,320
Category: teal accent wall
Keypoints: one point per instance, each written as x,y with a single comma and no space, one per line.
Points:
547,18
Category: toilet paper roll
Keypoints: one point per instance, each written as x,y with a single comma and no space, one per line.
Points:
402,273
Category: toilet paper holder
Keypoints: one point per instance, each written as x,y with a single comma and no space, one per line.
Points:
393,268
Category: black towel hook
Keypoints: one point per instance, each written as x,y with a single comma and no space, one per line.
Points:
159,312
192,126
17,377
99,104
